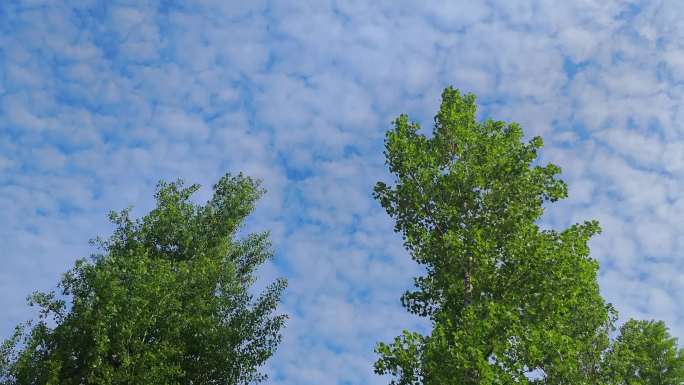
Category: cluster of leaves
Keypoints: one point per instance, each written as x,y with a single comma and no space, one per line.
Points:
510,303
166,302
644,353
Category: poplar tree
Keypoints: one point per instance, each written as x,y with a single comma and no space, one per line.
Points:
644,353
509,302
167,301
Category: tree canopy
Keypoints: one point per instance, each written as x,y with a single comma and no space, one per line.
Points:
509,302
644,354
169,297
167,301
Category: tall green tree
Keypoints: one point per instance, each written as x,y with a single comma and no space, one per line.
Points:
167,301
509,302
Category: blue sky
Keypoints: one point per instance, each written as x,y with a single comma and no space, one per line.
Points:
100,99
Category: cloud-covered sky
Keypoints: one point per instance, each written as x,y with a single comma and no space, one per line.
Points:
100,99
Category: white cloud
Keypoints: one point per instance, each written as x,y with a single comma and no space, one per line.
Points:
102,104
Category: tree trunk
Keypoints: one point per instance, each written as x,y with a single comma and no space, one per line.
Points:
467,283
467,299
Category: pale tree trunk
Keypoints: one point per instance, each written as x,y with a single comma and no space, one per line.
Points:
467,283
471,375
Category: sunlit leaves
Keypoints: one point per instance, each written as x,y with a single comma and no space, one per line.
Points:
505,297
645,354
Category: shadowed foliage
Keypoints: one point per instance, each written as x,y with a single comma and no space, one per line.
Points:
167,301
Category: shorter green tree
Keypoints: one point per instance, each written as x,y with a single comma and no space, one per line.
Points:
644,354
166,302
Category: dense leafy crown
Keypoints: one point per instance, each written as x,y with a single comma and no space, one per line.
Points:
510,303
644,354
167,302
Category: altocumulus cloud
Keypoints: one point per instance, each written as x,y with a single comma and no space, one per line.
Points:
98,100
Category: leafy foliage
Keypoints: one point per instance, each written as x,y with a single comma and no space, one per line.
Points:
510,303
167,301
644,354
